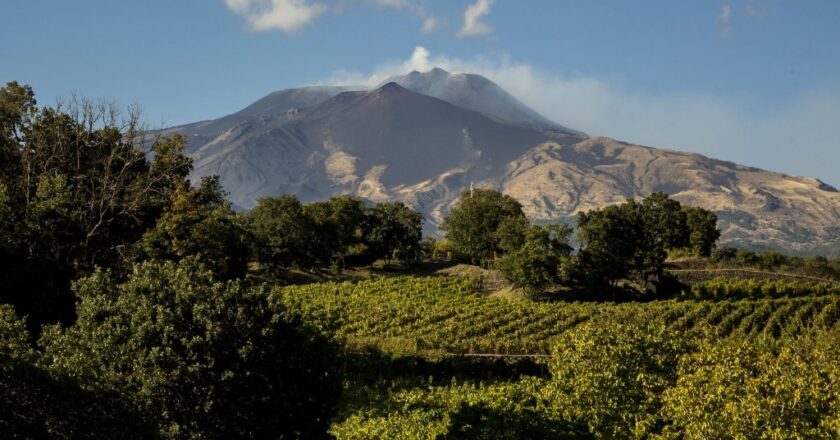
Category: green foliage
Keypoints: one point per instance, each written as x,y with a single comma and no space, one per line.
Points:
327,233
609,239
37,404
743,389
703,231
40,405
484,223
207,359
15,341
338,224
283,233
76,194
199,222
631,240
430,314
665,221
610,376
393,232
734,289
535,265
630,371
459,411
17,109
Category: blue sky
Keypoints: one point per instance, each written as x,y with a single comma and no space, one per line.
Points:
756,82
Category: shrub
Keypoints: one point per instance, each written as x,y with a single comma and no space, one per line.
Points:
741,389
209,359
610,376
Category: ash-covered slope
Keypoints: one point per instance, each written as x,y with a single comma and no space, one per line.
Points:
475,92
265,110
756,207
392,143
367,143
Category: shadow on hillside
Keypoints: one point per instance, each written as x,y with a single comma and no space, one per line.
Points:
374,367
480,422
668,287
322,275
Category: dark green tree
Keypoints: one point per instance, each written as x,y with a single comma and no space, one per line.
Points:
393,232
536,264
631,240
338,224
200,222
609,239
484,223
207,359
703,231
78,192
39,405
283,233
17,109
665,220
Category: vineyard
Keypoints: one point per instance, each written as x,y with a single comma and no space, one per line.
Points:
436,357
445,314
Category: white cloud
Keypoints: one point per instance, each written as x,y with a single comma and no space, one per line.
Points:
725,14
759,10
798,137
430,23
399,4
473,26
285,15
723,19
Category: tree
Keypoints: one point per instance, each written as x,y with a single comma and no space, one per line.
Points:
338,224
703,231
200,222
631,240
78,191
17,109
38,404
536,264
283,233
482,221
663,227
207,359
394,231
609,239
665,221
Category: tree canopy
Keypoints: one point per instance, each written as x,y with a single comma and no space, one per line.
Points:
205,358
631,240
76,192
484,223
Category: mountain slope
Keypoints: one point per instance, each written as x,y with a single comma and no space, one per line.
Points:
359,142
266,109
756,207
392,143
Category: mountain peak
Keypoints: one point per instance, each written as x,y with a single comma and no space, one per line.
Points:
390,87
475,92
435,71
